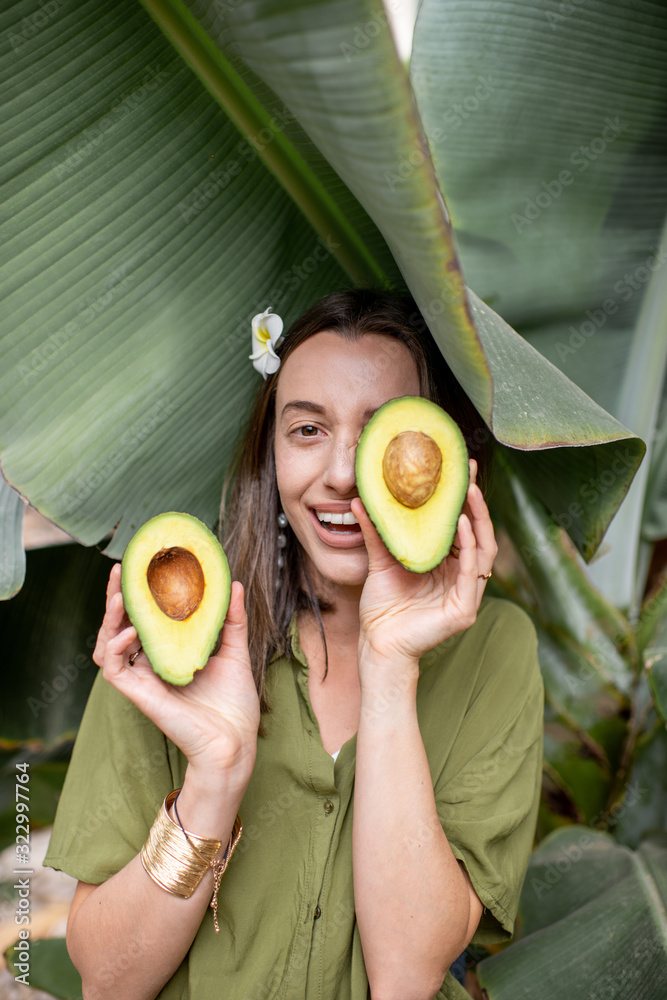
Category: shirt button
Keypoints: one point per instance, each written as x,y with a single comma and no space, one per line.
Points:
318,912
328,806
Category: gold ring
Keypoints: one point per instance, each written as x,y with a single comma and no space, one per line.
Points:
484,576
454,551
133,656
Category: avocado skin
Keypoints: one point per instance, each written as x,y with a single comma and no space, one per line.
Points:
419,538
176,649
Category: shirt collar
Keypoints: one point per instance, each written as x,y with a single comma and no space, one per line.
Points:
292,646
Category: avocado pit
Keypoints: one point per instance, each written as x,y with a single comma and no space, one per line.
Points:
411,467
176,581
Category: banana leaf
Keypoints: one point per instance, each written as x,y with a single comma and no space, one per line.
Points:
654,524
578,771
643,803
651,624
512,97
592,922
558,221
12,555
160,186
566,602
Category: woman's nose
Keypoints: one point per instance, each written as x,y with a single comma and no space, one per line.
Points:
339,473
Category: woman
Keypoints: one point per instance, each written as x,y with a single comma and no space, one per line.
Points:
390,799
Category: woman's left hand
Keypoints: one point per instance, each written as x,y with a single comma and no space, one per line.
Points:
405,614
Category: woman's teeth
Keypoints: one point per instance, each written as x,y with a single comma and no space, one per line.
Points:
348,518
329,520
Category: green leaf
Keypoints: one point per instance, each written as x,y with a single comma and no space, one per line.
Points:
142,233
238,98
658,681
652,636
579,772
654,523
511,97
564,596
51,968
599,904
575,688
12,556
622,573
643,805
547,132
651,625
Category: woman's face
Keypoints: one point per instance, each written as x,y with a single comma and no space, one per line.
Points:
328,389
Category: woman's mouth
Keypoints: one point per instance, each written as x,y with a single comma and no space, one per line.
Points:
337,529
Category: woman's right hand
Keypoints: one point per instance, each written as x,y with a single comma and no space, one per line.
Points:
214,719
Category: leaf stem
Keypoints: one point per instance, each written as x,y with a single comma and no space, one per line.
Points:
236,98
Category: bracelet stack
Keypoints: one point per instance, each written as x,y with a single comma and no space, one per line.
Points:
177,860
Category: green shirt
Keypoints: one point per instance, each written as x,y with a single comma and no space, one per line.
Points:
286,905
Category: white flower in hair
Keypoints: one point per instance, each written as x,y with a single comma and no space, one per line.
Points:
267,328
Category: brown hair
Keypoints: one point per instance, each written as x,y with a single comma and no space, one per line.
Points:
250,501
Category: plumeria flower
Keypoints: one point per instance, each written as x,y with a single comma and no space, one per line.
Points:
267,328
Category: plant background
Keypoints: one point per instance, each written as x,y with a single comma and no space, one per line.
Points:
170,170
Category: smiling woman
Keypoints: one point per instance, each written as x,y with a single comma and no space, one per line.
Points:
389,800
372,347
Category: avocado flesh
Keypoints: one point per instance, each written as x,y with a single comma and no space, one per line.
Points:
179,546
419,537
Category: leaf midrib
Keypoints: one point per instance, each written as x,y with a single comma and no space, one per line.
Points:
234,96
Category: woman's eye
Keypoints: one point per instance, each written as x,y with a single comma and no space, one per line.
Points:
308,430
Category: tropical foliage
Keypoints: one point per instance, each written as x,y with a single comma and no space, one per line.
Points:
173,170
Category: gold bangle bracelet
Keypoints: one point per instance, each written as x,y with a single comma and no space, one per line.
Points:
177,859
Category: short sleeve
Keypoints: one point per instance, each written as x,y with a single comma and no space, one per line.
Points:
488,793
121,769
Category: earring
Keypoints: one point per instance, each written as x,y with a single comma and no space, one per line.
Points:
282,540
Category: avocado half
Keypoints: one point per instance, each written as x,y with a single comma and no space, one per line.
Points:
176,587
412,475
